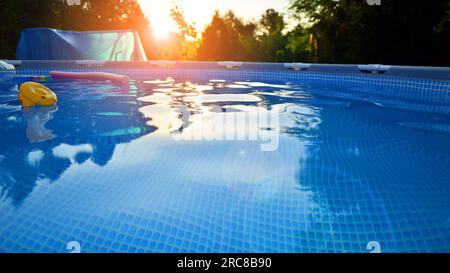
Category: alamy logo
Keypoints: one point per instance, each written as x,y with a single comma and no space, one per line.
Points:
369,2
374,247
73,247
73,2
218,124
374,2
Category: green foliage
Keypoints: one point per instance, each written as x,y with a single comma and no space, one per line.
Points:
226,38
272,41
183,44
413,32
272,22
300,45
9,28
185,30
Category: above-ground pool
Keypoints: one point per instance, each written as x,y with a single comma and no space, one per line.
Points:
216,160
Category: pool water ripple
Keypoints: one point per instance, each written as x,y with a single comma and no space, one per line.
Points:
122,169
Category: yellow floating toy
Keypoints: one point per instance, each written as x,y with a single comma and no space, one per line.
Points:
32,93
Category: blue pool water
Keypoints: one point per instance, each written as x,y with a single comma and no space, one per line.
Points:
352,164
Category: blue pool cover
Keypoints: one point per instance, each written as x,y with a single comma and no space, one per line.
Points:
362,164
55,44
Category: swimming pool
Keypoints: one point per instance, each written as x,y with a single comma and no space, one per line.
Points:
227,160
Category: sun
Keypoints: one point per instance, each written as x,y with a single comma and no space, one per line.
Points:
158,13
161,29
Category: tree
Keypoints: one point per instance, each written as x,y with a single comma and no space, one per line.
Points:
228,38
218,40
243,37
185,29
301,45
272,22
273,42
184,43
414,33
9,28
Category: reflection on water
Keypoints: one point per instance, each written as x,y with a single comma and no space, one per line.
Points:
36,118
111,163
40,143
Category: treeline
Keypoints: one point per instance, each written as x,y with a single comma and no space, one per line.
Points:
413,32
228,37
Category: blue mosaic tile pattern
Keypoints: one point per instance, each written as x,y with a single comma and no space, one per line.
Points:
361,158
419,90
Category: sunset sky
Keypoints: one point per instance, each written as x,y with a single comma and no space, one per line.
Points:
201,11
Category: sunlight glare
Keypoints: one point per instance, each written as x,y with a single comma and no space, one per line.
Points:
158,13
201,11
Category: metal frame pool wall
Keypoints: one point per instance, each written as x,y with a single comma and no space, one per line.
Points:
422,84
416,72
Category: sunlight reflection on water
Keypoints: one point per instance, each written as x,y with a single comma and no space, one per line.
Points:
166,161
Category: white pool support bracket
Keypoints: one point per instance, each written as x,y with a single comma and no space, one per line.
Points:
14,62
374,68
163,63
297,66
7,71
230,64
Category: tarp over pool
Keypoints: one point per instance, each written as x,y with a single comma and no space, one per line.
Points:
54,44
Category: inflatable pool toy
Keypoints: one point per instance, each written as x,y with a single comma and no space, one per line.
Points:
7,71
95,76
32,93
